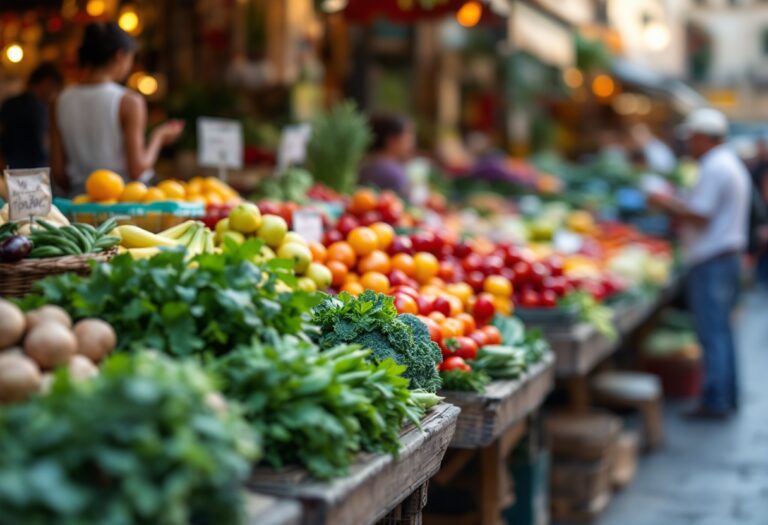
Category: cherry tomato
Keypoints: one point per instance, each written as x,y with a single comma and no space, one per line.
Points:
548,299
472,263
475,280
530,298
452,328
479,337
464,347
470,325
483,309
426,304
442,305
405,304
434,329
407,290
398,278
522,271
401,244
455,363
492,334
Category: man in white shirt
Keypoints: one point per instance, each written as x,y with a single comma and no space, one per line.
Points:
715,220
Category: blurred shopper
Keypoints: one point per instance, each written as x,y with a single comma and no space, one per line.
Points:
99,124
659,157
759,219
24,139
393,144
714,216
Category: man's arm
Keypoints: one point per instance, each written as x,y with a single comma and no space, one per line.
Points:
677,208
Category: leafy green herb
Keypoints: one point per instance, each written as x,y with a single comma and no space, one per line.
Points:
209,306
464,381
291,186
371,321
591,311
319,408
141,443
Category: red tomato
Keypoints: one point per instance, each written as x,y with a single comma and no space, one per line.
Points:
492,334
346,224
406,304
492,265
401,244
548,299
461,249
398,278
479,337
442,305
426,304
434,329
522,273
483,310
464,347
407,290
455,363
475,280
332,236
530,298
472,263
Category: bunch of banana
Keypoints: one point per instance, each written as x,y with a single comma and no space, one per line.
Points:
194,236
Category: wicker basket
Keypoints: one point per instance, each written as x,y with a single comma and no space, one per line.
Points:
16,279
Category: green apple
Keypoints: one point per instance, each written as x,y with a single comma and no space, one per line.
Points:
245,218
320,274
272,230
306,284
300,255
221,227
238,237
294,237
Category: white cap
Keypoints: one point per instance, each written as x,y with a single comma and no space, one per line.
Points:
706,121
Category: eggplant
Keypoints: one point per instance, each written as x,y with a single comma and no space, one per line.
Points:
15,248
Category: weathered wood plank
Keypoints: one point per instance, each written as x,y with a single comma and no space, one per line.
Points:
578,348
266,510
485,417
376,484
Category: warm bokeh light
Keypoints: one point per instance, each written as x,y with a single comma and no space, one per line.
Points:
334,6
657,36
603,86
469,14
14,53
573,78
147,85
95,7
128,21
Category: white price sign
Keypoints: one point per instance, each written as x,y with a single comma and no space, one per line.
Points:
220,143
29,193
293,146
308,224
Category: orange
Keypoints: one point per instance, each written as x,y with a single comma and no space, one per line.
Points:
452,328
173,189
108,202
376,261
384,232
319,253
339,272
343,252
362,201
212,197
498,286
378,282
404,263
195,186
353,288
352,277
427,266
154,194
470,325
134,192
363,240
82,199
104,184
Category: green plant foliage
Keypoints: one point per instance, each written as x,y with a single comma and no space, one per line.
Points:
140,444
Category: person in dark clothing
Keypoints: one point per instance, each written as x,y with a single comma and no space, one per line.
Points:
393,144
759,217
24,120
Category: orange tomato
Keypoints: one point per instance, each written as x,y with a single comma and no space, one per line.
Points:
378,282
452,328
133,192
212,197
384,233
104,185
363,200
469,322
503,305
461,290
457,306
406,304
438,317
339,272
319,253
427,266
154,194
498,286
173,189
352,277
376,261
363,240
430,290
343,252
436,281
404,263
493,334
353,288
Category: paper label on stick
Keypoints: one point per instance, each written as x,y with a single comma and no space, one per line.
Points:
220,143
293,146
29,193
308,224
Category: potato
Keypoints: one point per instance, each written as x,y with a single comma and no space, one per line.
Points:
19,377
12,324
81,368
48,312
95,338
50,344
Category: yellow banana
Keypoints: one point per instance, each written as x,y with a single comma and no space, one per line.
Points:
135,237
177,231
143,253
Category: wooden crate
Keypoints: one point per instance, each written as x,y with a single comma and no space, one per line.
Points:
624,460
580,481
578,348
485,417
265,510
589,436
567,510
376,484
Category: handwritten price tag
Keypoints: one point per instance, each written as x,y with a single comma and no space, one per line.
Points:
29,193
220,143
308,224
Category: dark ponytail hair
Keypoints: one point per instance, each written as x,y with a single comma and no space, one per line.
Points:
101,43
384,128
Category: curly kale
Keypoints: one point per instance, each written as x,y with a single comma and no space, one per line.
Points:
371,321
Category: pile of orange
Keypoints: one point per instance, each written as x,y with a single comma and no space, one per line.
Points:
107,187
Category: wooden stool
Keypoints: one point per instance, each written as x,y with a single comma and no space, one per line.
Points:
634,390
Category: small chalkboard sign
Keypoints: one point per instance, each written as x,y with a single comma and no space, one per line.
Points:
29,193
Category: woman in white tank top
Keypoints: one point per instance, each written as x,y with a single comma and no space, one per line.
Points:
99,124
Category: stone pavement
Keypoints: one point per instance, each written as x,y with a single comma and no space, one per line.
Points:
710,473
